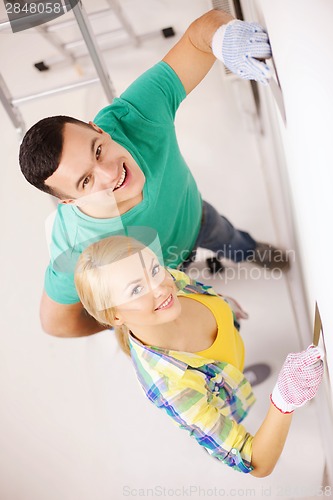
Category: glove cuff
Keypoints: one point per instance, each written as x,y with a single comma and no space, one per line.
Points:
279,403
217,40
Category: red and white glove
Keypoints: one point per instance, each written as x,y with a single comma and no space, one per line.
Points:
299,379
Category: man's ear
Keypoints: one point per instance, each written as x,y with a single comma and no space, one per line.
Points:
96,128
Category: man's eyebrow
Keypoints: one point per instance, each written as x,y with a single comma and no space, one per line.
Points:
92,150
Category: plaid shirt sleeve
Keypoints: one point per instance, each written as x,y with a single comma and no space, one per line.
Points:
207,400
187,402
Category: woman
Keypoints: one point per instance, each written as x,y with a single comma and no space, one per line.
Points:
188,353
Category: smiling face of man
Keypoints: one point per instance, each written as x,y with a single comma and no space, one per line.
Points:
96,173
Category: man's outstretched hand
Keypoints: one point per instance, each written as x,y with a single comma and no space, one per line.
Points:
243,47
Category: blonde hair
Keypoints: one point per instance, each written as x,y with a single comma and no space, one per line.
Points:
92,282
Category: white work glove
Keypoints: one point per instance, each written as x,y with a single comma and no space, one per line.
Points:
239,45
299,379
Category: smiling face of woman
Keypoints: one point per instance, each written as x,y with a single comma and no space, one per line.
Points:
143,292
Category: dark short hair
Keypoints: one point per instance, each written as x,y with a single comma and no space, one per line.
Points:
41,149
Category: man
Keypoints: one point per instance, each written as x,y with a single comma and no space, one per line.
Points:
126,170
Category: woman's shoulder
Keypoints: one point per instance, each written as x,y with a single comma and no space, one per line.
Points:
178,275
187,285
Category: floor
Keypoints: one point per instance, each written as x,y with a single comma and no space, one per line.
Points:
71,429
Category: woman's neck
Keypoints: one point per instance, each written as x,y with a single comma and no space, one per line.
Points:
165,335
194,330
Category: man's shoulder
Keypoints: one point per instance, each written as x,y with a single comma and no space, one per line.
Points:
110,114
64,216
108,117
155,95
69,231
60,229
66,227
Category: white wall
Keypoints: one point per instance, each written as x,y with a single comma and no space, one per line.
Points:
303,55
301,37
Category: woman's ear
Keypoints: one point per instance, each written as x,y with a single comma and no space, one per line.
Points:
117,319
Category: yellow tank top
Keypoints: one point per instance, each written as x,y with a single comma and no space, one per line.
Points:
228,345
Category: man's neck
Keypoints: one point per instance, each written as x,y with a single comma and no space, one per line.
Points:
110,212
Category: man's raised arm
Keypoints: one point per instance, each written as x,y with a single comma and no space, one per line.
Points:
242,46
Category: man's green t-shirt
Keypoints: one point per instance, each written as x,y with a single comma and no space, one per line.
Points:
142,121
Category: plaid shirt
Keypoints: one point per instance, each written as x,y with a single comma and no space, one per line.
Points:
207,398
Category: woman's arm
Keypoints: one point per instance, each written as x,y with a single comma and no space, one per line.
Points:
297,383
197,402
268,442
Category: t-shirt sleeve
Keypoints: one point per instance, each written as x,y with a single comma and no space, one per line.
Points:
156,94
60,287
61,237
